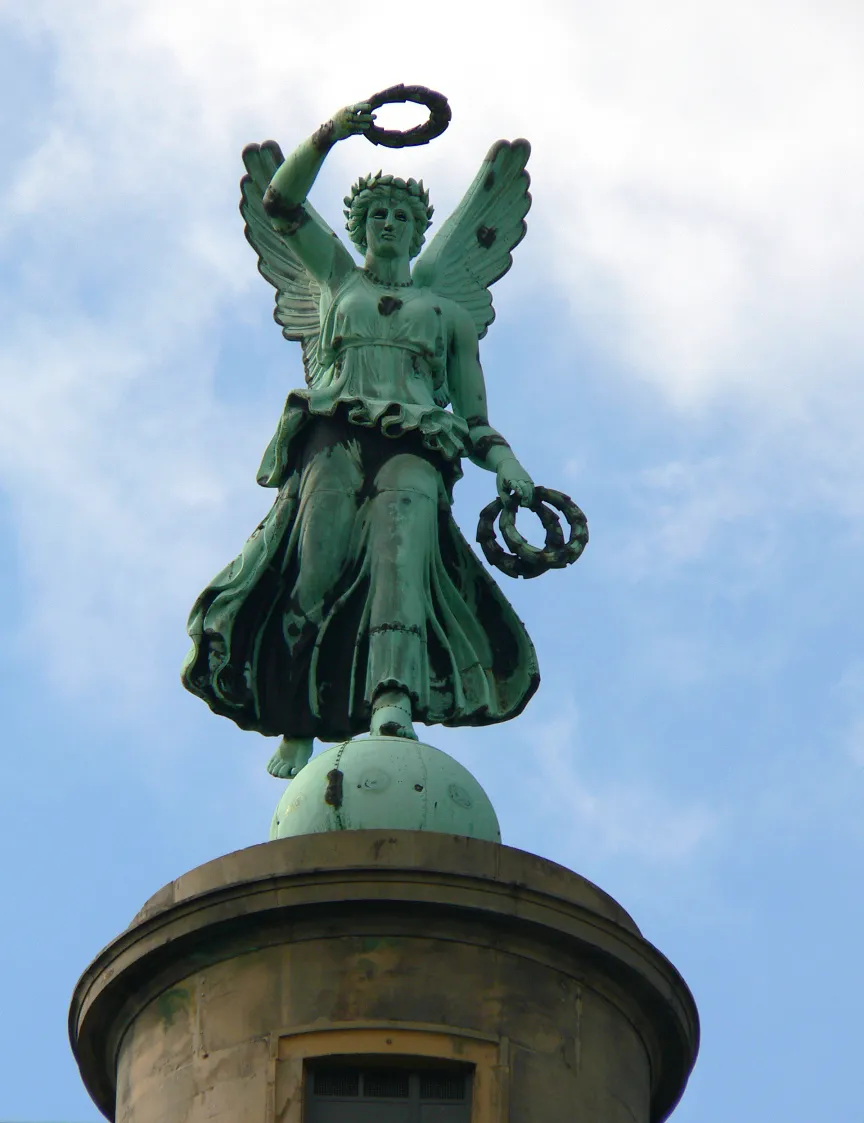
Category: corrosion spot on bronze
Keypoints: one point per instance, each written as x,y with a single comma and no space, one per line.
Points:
387,305
322,138
289,216
333,792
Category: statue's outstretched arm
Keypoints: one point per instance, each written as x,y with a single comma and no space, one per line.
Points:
489,449
315,244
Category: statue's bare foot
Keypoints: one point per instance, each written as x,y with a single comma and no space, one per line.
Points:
391,715
290,757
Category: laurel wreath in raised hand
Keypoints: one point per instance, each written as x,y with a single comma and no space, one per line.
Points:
439,116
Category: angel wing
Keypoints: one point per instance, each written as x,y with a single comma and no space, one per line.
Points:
298,294
473,249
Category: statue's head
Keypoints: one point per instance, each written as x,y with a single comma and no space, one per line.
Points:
388,215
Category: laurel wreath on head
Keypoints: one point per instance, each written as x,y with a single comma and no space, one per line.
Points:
361,197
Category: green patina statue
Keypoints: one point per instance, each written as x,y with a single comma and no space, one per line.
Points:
357,605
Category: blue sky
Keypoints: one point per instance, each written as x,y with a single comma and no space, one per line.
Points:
678,346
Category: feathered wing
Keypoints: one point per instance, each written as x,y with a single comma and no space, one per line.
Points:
297,293
473,248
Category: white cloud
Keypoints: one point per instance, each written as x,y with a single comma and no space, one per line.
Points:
698,171
687,508
697,185
604,817
107,439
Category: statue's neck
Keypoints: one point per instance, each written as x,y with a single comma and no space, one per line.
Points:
390,270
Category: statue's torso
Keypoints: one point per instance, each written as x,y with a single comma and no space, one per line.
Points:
384,343
382,363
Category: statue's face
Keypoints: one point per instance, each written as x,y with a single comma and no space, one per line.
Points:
389,227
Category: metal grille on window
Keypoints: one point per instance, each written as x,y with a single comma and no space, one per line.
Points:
442,1084
382,1082
375,1094
337,1082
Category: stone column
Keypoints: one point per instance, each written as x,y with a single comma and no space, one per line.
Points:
234,978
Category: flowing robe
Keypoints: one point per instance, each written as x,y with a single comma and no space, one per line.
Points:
359,579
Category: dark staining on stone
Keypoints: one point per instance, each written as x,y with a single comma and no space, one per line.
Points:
289,216
486,235
333,792
171,1003
322,138
489,181
387,305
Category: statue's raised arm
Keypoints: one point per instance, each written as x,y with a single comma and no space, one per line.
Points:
285,199
297,251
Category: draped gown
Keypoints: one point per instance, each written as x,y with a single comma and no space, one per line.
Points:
359,579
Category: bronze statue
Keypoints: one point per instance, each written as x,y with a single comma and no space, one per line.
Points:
357,604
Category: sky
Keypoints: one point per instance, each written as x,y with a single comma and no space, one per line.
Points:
678,346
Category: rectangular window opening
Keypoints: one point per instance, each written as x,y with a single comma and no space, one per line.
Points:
375,1090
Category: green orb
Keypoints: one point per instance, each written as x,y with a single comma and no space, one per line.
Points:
385,782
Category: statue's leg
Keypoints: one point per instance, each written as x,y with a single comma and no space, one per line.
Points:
327,508
403,521
331,477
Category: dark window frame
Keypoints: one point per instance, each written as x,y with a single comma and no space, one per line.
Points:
348,1075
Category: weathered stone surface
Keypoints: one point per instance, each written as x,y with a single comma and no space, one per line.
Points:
205,1008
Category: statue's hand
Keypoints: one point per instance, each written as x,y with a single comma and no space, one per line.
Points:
514,483
351,120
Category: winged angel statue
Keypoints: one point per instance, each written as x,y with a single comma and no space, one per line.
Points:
357,604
